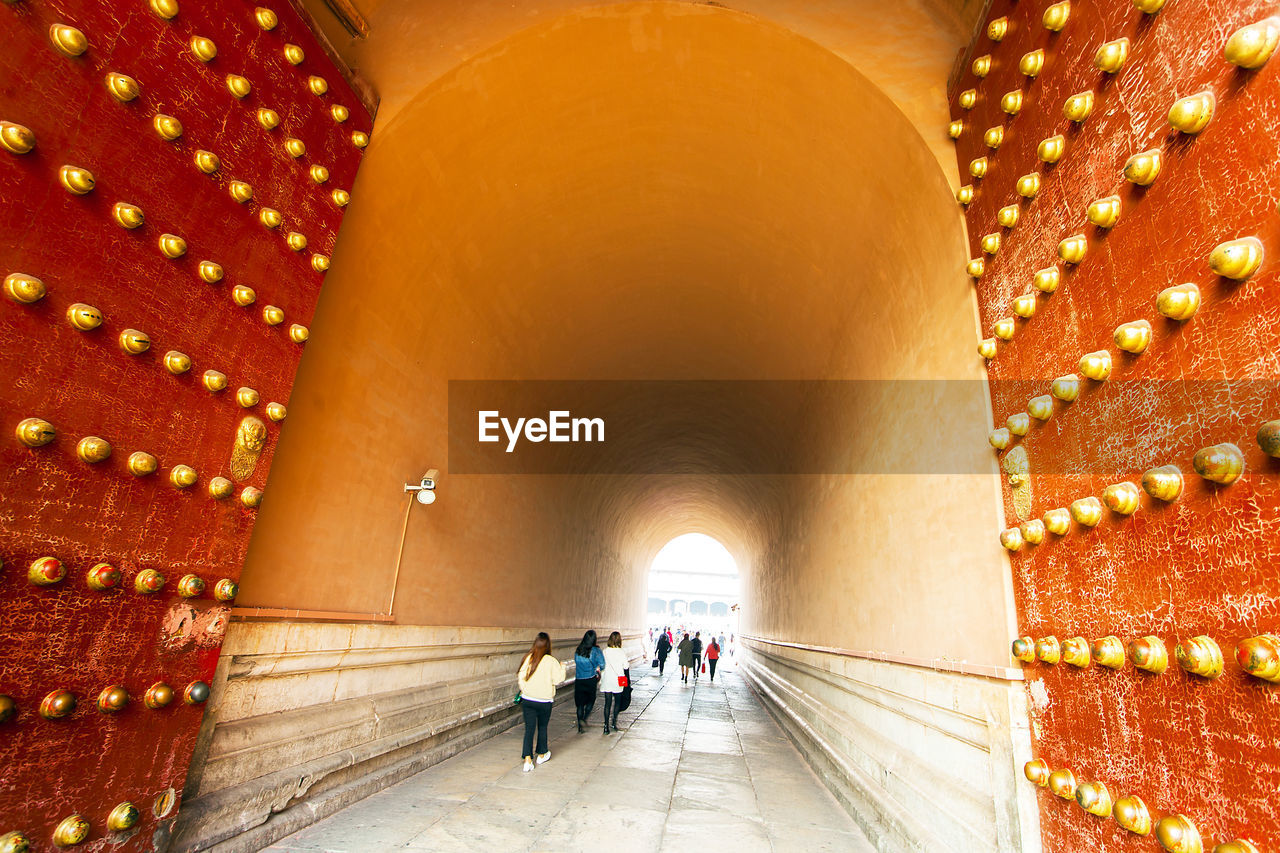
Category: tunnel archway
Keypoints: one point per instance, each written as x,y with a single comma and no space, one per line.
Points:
699,568
634,193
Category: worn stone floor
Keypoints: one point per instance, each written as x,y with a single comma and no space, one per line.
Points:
699,767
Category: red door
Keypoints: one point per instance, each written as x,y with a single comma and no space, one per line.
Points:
172,179
1125,216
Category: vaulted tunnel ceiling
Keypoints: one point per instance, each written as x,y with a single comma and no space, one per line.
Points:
636,192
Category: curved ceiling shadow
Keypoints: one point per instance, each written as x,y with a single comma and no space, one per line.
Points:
907,48
645,191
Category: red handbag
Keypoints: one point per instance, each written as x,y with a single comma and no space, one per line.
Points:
622,681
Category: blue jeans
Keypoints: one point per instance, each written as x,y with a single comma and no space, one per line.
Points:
535,714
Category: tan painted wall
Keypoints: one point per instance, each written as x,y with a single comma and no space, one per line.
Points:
651,190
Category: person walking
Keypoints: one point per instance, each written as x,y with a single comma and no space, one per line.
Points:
664,649
686,657
613,680
697,653
539,674
588,661
713,657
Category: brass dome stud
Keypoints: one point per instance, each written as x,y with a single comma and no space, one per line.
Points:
1077,652
203,49
1251,46
127,215
1094,798
238,86
266,18
1178,834
1132,813
1149,654
1133,337
122,87
1143,168
1056,16
67,40
1179,302
1163,483
1062,782
1078,107
123,817
1031,63
24,289
1192,114
148,582
190,586
1112,56
167,9
73,830
16,138
1108,651
34,432
158,695
1048,650
76,180
183,476
58,704
142,464
207,162
1086,512
1200,656
1219,463
46,571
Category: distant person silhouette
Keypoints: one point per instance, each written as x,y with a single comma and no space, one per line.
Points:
686,657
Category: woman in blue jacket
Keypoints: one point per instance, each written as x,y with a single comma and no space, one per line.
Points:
589,660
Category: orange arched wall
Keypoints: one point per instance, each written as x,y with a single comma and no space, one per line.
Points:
645,191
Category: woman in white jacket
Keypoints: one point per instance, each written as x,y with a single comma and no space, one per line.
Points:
539,675
613,680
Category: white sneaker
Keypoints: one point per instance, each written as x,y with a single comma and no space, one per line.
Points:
545,757
528,765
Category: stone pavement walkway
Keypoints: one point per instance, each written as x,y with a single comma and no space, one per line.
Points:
699,767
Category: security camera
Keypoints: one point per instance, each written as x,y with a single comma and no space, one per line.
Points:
426,489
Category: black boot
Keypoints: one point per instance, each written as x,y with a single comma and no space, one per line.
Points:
581,728
606,728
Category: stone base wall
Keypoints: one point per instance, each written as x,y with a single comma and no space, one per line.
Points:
306,718
923,759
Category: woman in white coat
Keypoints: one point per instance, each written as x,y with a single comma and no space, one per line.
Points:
613,680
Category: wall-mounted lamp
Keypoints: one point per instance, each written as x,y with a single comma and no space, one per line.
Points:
427,488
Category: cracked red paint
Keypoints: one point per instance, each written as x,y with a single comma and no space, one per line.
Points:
1206,563
67,635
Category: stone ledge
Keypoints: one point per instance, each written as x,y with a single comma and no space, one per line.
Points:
249,817
832,734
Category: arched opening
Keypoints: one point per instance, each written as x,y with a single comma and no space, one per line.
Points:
646,192
635,192
697,568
